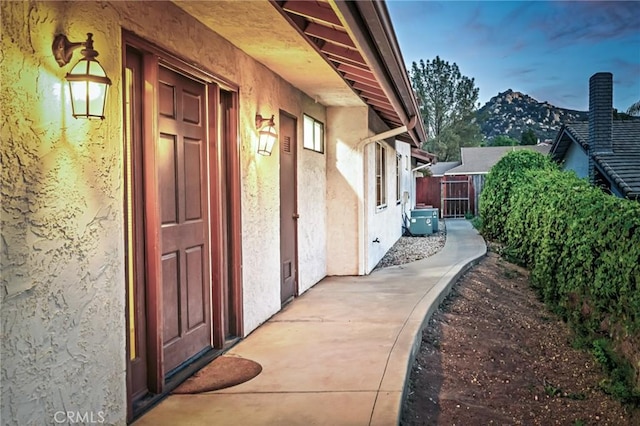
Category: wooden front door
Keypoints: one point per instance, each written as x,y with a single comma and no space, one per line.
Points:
288,209
182,220
184,234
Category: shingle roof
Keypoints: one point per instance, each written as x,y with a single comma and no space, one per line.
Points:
439,169
479,160
622,166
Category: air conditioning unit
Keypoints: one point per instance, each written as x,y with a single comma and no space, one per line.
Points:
420,225
434,215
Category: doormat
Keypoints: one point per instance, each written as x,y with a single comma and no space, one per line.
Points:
222,372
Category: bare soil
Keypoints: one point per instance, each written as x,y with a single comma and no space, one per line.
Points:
494,355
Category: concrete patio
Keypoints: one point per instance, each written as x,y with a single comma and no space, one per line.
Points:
338,355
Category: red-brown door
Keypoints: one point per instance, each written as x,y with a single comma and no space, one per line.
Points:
182,215
288,209
182,189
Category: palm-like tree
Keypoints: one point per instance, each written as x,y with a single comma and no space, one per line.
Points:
634,109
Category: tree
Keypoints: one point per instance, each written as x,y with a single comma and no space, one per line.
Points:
447,105
503,140
528,137
634,109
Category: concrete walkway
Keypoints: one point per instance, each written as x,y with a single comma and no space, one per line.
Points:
338,355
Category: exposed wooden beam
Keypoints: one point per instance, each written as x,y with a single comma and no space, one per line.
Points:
313,11
393,119
353,79
370,84
382,105
378,98
337,61
329,34
367,75
373,89
340,52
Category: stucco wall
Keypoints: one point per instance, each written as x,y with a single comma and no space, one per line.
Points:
345,189
62,293
312,206
382,224
576,159
63,288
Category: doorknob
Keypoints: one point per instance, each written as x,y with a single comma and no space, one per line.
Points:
296,216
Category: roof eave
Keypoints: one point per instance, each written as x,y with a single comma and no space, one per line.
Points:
370,24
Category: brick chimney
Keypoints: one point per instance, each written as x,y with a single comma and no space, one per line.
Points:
600,117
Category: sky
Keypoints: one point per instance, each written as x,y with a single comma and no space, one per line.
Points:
546,49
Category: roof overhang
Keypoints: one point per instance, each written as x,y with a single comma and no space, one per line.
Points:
338,53
561,143
423,156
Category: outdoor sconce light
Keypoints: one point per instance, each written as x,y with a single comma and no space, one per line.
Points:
88,82
267,134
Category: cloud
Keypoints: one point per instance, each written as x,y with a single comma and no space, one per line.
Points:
500,25
626,74
568,23
520,71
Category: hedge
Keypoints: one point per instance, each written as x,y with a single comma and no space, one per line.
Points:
583,249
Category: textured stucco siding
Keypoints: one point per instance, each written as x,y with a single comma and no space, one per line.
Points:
62,307
576,159
382,223
63,279
312,207
345,189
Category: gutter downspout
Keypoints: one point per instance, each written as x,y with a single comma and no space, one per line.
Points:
363,223
389,133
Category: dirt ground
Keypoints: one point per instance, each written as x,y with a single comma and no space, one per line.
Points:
493,355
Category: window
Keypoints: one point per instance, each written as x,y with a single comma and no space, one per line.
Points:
313,134
381,181
398,177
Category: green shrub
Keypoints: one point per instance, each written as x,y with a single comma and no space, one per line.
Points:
477,223
496,194
583,249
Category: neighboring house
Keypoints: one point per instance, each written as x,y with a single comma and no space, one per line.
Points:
605,151
458,186
136,248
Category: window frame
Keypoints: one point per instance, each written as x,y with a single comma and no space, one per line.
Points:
381,176
315,146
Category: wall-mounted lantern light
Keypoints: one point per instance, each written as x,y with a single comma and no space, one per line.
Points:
267,134
88,82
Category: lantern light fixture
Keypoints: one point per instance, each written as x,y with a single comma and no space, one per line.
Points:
267,134
88,81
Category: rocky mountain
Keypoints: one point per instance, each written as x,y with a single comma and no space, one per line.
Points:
510,113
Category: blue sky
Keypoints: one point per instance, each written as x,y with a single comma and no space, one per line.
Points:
546,49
